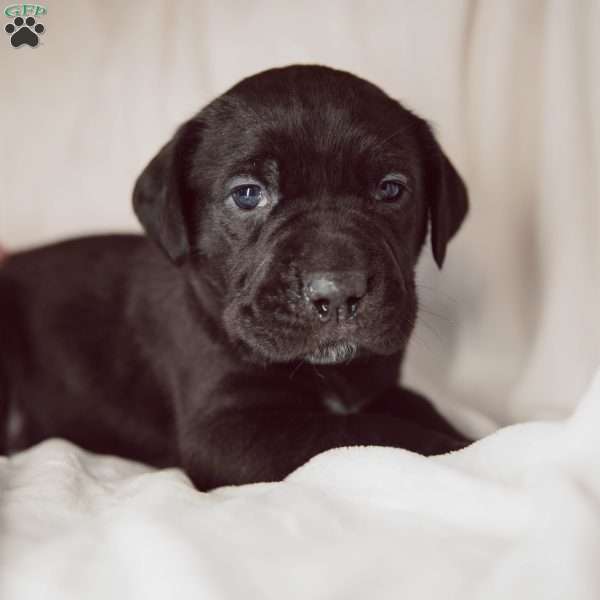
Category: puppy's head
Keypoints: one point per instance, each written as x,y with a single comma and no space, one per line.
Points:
301,198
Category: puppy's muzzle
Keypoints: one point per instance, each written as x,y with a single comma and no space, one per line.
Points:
335,294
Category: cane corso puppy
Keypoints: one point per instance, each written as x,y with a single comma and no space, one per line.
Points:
265,317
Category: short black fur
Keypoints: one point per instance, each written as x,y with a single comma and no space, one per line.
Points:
201,347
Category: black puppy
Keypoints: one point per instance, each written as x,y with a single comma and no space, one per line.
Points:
266,318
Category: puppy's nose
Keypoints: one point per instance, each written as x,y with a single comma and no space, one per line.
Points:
335,294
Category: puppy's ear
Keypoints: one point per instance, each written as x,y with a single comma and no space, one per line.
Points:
161,197
446,196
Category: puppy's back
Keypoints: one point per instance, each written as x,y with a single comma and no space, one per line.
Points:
74,284
65,331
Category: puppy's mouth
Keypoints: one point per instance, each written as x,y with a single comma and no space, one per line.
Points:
332,353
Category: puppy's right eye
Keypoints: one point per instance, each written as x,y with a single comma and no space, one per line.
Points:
392,188
249,196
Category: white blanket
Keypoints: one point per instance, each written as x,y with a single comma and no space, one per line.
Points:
517,515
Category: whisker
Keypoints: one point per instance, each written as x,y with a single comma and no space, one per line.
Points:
317,371
421,341
428,311
432,329
431,313
437,292
294,371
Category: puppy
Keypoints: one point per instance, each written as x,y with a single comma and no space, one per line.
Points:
265,317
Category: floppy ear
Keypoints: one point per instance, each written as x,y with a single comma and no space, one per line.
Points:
447,199
161,197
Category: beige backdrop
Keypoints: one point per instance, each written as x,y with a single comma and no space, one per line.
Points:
510,329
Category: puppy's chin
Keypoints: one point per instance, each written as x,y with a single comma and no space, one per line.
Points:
333,353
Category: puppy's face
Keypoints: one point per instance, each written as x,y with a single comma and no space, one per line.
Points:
301,198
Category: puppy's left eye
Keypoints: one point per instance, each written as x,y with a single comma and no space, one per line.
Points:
249,196
392,189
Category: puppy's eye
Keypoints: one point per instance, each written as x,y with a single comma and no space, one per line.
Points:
249,196
392,190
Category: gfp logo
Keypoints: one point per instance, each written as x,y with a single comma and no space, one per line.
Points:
25,10
24,31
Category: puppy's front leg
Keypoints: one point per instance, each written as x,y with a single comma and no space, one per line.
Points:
249,442
408,405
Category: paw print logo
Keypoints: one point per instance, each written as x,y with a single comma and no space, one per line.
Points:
24,32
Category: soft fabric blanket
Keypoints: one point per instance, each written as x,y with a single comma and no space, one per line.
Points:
517,515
